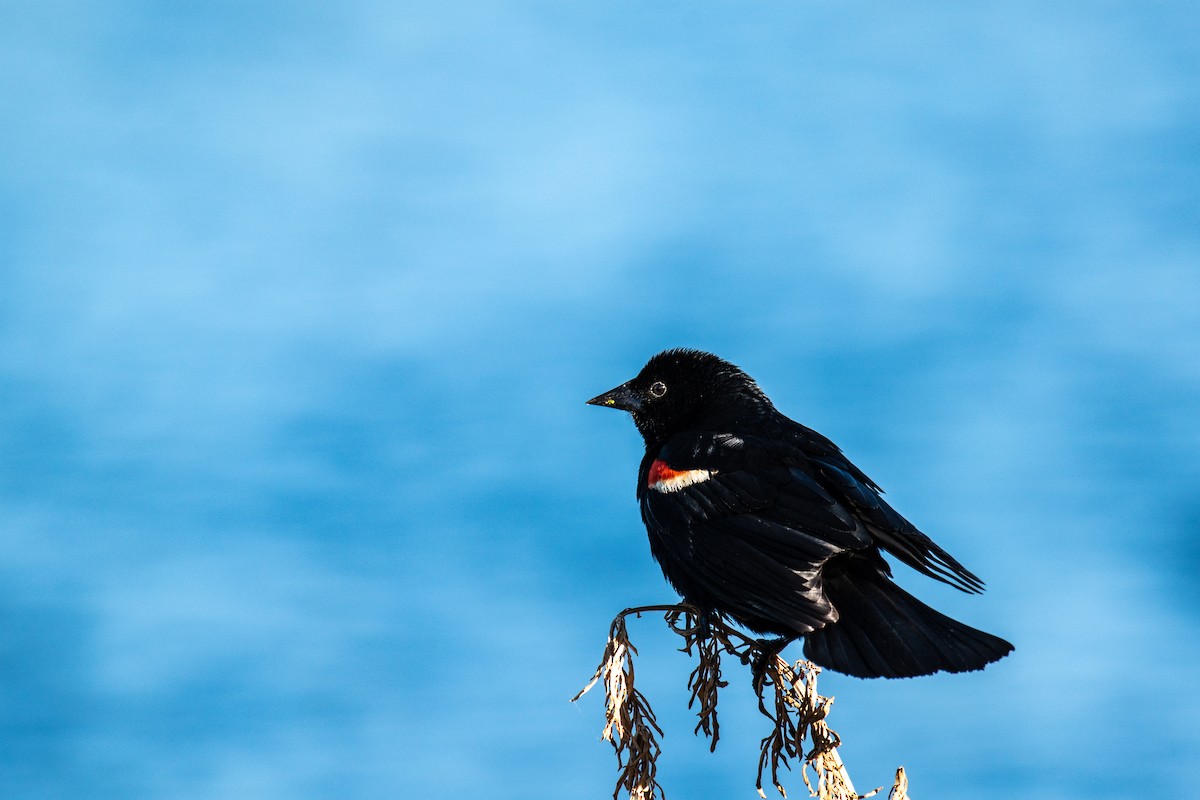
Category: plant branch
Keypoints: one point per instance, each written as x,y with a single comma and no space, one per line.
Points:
796,711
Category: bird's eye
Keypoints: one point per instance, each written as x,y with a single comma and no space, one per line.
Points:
658,388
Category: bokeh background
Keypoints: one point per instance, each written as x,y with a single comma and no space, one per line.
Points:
300,302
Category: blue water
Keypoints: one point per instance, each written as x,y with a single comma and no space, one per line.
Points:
299,308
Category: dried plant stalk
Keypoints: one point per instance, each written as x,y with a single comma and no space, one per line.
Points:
797,712
630,725
705,681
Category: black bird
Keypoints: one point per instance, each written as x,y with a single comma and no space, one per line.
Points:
760,519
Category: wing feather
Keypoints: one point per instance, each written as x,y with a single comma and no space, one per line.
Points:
897,535
745,543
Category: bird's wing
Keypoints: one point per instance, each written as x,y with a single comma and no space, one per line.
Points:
736,527
891,531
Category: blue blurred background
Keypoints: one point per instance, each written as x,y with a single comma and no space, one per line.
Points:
299,305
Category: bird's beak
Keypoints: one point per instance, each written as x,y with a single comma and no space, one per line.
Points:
622,397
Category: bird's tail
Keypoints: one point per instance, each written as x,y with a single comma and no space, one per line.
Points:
884,632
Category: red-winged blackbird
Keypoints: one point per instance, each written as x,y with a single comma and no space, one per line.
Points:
755,517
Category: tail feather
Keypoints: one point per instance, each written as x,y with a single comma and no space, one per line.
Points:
884,632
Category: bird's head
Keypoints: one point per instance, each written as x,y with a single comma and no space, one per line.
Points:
680,390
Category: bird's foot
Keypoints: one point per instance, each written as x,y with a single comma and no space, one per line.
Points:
702,627
761,657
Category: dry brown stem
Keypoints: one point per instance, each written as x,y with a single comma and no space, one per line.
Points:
797,712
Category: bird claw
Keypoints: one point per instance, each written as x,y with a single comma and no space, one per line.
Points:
761,657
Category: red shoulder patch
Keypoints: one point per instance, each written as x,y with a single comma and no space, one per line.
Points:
664,479
659,471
